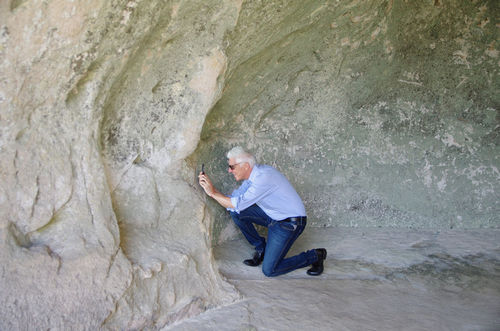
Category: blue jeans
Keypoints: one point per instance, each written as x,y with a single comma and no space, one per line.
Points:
280,237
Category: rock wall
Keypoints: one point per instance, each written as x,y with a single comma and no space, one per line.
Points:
382,113
101,101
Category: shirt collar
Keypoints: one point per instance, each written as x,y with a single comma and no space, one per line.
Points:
254,173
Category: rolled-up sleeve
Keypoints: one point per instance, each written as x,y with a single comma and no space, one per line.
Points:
236,193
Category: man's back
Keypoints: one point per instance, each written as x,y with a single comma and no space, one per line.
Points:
272,192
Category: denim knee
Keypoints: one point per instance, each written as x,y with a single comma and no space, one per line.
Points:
268,271
235,216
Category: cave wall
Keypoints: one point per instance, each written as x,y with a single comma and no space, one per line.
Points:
100,103
382,113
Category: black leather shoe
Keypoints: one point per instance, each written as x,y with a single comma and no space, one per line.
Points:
257,259
317,267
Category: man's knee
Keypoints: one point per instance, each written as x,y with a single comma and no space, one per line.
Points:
268,271
235,216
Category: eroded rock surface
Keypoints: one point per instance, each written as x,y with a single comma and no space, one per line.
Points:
382,113
101,102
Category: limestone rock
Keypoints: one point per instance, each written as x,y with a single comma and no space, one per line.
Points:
381,113
100,103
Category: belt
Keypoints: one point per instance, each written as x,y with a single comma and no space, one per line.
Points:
300,220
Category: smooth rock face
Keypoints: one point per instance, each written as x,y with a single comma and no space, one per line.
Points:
101,101
383,113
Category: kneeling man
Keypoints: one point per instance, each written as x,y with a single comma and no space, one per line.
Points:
266,198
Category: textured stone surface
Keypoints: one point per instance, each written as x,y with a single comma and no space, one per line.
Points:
100,103
382,113
374,279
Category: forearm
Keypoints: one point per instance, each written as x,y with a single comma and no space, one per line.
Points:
223,200
212,192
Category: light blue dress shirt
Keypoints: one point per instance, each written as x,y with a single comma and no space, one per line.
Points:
271,191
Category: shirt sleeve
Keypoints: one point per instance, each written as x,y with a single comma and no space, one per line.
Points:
258,189
241,189
237,192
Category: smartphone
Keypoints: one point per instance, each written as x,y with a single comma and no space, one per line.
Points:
203,168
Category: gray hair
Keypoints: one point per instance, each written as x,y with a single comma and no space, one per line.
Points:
240,155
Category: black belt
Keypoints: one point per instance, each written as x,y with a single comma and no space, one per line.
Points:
300,220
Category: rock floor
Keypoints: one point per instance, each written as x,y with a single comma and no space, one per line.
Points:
374,279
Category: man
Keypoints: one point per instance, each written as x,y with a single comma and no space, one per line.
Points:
266,198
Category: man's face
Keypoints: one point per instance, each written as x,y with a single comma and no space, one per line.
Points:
239,170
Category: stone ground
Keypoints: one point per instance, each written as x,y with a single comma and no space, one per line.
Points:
374,279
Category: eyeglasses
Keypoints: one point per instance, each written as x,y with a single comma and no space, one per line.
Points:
232,166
